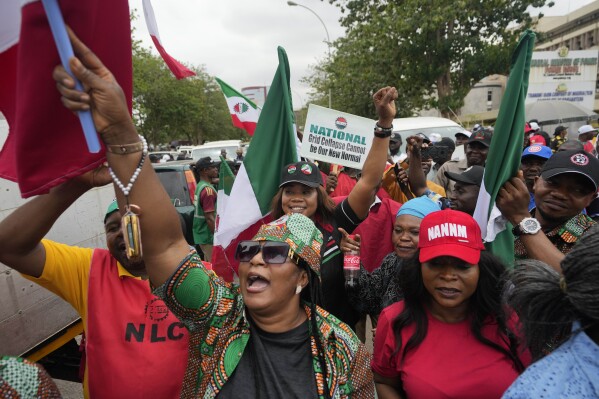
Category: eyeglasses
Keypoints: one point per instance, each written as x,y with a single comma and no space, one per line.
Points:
273,252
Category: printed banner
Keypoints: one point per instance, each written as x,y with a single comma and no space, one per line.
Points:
563,75
336,137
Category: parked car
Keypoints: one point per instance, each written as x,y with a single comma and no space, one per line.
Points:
213,149
180,184
427,125
163,156
185,151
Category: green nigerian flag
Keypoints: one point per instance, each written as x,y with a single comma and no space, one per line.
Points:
503,161
272,147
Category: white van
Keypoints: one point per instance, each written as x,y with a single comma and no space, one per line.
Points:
212,149
426,124
185,150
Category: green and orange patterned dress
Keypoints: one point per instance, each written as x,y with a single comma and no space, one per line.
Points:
214,312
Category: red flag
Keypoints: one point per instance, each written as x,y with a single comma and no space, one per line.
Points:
178,69
45,145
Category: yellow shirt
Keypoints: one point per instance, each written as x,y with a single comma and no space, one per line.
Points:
392,188
66,274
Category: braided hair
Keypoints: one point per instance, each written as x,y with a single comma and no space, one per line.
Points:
548,303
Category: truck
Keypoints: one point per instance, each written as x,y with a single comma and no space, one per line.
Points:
36,324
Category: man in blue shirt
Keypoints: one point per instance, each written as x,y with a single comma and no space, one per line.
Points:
533,160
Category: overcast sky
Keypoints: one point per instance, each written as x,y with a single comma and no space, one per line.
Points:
236,40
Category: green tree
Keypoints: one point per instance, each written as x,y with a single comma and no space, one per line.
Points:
167,109
433,51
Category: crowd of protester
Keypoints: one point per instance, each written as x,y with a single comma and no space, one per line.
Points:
452,319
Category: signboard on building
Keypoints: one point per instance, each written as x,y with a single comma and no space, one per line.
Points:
563,75
256,93
336,137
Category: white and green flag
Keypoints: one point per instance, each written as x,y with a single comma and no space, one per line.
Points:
244,112
272,147
503,161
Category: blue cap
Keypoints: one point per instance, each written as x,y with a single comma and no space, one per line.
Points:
538,151
419,207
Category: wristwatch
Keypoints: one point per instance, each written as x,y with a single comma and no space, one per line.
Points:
382,132
527,226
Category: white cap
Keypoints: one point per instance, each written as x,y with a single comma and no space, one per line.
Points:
465,133
434,137
586,129
534,126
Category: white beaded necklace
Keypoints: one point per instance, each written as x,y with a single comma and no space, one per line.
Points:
130,221
127,190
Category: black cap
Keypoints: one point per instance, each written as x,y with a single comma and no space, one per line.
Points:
302,172
472,175
573,161
204,163
395,136
560,129
482,136
424,137
447,142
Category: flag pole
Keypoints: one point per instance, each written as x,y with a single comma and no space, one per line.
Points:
65,50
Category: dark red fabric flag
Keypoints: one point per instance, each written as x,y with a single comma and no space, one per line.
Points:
46,145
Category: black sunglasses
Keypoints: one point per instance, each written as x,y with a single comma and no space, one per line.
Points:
273,252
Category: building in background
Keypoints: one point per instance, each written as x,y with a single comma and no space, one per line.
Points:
561,39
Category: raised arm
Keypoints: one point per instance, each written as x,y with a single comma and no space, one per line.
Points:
416,175
163,243
362,195
22,230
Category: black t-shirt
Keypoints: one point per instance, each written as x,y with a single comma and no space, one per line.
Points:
335,298
274,365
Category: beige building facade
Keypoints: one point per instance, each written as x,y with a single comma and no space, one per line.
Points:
578,30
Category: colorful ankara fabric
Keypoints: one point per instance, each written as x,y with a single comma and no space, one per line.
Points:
22,379
562,237
214,312
300,233
557,142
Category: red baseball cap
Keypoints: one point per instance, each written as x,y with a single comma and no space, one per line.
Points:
450,233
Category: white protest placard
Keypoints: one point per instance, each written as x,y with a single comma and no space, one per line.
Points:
336,137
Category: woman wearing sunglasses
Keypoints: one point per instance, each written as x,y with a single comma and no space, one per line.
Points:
263,338
448,337
301,191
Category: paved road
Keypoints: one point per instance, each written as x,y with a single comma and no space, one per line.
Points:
70,390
